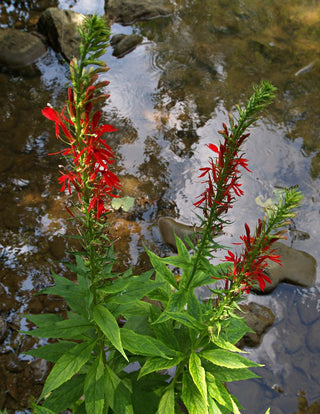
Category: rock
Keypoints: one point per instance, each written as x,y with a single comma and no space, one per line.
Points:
298,268
169,227
20,50
129,11
259,318
60,28
124,44
40,368
3,329
14,364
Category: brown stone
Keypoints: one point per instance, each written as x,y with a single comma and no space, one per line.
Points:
60,28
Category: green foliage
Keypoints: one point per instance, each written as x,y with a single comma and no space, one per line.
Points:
155,319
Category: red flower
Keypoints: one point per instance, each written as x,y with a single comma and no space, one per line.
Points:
248,267
222,175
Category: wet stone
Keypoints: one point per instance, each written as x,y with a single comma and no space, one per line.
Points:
313,337
298,268
40,369
19,49
60,28
124,44
13,363
129,11
259,318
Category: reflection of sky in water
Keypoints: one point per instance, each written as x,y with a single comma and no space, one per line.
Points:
83,6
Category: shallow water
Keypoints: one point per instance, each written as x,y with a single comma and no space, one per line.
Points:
168,98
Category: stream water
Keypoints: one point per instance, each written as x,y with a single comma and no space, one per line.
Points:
168,98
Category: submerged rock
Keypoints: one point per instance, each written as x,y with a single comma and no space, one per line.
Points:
20,50
169,227
60,28
298,268
259,318
123,44
129,11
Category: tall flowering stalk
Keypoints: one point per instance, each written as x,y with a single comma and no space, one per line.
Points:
78,125
154,320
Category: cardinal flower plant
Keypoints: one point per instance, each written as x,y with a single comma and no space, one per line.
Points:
136,344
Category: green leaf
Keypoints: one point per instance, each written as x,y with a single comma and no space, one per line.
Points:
44,319
220,393
227,359
134,291
67,366
197,373
177,261
65,395
42,410
191,396
158,363
117,395
209,273
67,329
236,328
222,343
214,407
145,345
69,291
176,302
94,387
194,306
186,320
52,352
229,375
166,405
109,326
162,269
182,250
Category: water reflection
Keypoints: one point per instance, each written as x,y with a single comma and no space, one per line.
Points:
168,99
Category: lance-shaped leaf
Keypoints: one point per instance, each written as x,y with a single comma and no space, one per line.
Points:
192,397
166,405
64,396
186,320
198,375
176,302
158,363
162,269
52,352
219,392
94,387
227,359
68,365
109,326
67,329
145,345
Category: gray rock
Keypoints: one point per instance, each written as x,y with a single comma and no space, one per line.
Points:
308,309
259,318
19,50
124,44
60,28
129,11
298,268
169,227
